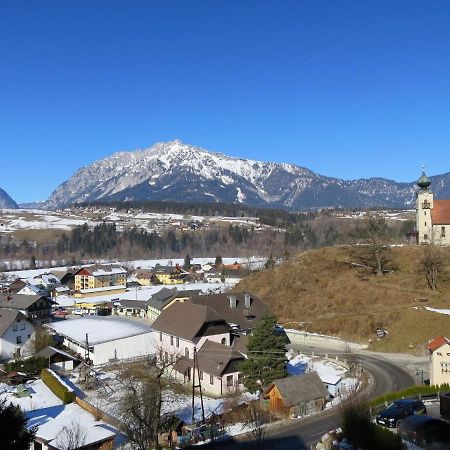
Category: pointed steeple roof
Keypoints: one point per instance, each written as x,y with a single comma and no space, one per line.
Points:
424,182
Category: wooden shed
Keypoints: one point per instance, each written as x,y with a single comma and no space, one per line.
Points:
297,395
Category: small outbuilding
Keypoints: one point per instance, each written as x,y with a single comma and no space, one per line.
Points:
297,395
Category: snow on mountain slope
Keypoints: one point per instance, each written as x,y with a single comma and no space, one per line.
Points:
181,172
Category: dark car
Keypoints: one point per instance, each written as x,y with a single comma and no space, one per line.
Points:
425,432
400,409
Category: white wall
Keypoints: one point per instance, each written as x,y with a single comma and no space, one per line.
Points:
165,344
440,365
131,347
8,342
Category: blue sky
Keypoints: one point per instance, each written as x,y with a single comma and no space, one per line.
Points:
346,88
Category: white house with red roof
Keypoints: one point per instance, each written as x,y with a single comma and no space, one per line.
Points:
440,360
432,216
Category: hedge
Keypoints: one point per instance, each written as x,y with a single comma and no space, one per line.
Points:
55,385
413,391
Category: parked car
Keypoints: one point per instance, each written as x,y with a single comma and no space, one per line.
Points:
61,314
425,432
400,409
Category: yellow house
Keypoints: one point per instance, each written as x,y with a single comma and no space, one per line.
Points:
100,276
440,360
146,277
165,298
169,274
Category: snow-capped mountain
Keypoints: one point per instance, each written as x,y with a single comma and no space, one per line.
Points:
180,172
6,201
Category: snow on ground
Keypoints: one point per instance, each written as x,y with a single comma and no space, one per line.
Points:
437,310
41,396
328,371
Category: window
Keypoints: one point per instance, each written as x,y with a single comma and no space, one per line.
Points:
171,340
186,352
15,327
178,342
200,375
22,326
442,231
18,339
160,336
229,380
425,236
224,341
425,213
425,223
211,379
439,353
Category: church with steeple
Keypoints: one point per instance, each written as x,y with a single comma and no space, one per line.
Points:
432,216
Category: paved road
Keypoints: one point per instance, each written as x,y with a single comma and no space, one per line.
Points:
387,377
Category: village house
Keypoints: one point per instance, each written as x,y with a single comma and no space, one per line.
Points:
16,333
439,349
99,276
32,289
169,274
37,308
432,215
297,395
66,277
185,326
48,281
146,277
164,298
217,369
135,308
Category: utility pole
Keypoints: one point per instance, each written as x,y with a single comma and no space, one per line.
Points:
199,385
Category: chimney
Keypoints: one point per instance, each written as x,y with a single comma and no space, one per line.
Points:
233,302
247,300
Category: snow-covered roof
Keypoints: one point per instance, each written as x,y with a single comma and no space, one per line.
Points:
52,421
98,329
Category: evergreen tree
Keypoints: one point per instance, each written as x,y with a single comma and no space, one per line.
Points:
33,262
14,435
219,261
270,263
187,262
266,360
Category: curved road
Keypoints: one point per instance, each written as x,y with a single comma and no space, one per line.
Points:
388,377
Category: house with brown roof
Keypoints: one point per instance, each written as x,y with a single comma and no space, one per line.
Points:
165,298
217,372
432,215
297,395
185,326
37,308
439,349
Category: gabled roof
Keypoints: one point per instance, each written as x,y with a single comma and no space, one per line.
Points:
49,351
136,304
213,358
162,298
440,214
187,321
8,317
245,318
299,389
18,301
437,343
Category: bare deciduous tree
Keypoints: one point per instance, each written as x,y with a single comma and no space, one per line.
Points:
146,388
72,438
432,262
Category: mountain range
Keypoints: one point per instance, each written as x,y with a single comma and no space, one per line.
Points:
180,172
